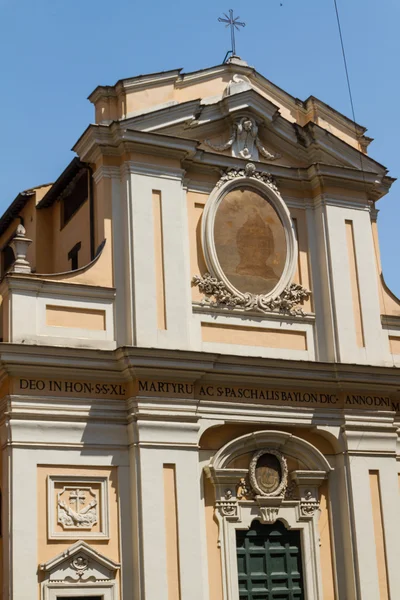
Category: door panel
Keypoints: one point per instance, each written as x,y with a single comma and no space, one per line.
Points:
269,563
80,597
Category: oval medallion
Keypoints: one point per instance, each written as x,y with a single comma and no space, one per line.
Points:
250,241
268,473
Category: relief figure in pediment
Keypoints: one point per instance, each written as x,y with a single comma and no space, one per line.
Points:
244,141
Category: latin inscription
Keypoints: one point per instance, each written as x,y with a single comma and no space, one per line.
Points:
72,387
265,396
151,388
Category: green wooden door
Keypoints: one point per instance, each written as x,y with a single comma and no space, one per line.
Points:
269,563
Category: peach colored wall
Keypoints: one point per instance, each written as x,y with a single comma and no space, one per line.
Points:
253,336
340,132
326,555
76,230
394,344
355,288
97,273
106,109
152,96
195,205
46,235
171,532
216,437
103,226
379,534
159,259
211,87
81,318
213,550
302,275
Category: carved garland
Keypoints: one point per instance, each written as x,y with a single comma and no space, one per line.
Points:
280,490
248,171
217,294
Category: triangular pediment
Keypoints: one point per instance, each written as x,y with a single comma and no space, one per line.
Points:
80,562
216,119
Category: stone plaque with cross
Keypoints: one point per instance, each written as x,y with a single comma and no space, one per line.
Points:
78,506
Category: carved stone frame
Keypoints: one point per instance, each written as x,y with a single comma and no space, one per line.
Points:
74,533
284,470
234,510
79,570
261,183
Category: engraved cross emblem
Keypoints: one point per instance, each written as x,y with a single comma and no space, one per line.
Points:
233,23
77,497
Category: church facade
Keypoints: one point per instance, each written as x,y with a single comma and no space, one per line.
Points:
200,358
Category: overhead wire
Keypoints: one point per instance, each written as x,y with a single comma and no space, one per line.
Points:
349,89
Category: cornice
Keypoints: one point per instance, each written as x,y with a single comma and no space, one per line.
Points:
315,174
315,138
187,79
191,184
115,140
106,172
141,81
333,115
151,170
126,362
147,81
31,284
162,117
157,108
340,149
390,322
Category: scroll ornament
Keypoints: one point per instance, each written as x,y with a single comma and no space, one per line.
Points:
217,294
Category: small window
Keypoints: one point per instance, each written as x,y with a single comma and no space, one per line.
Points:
76,195
73,256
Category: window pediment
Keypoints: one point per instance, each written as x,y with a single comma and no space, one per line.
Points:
79,564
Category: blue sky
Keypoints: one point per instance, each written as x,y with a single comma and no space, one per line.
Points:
53,53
